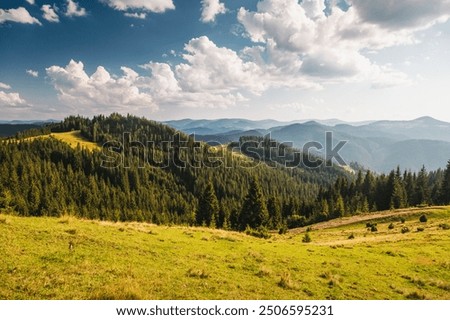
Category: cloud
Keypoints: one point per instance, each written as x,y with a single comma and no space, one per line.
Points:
4,86
19,15
12,100
99,91
49,13
157,6
136,15
33,73
210,9
209,76
310,41
404,14
30,2
74,9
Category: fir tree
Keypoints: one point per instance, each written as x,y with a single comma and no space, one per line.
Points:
254,211
208,207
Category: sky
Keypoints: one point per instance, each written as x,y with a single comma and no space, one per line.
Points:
354,60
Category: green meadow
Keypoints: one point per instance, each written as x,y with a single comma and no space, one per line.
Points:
68,258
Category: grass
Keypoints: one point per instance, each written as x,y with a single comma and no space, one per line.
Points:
142,261
72,138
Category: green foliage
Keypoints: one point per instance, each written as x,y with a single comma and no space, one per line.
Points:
405,230
208,207
423,218
307,238
254,211
391,226
260,232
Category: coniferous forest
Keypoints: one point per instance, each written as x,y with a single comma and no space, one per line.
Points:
148,172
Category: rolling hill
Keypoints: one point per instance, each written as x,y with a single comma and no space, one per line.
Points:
378,146
144,261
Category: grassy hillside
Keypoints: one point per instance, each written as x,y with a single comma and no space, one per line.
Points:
72,138
142,261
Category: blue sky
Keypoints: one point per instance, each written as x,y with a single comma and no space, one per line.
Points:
171,59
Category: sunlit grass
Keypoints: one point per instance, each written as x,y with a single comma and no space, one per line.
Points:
142,261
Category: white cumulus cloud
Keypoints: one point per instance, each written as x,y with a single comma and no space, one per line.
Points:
140,6
30,2
32,73
12,100
49,13
4,86
210,9
99,91
74,9
19,15
301,40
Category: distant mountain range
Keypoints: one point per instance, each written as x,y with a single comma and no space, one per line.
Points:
379,145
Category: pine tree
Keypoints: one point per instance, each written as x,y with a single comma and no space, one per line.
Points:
339,208
208,207
274,211
445,188
254,211
422,189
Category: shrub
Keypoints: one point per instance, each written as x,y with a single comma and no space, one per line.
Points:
391,226
283,230
405,229
260,232
402,220
374,229
286,282
306,238
423,218
420,229
197,273
352,236
444,226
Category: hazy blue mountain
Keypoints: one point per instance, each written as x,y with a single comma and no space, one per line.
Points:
380,145
213,127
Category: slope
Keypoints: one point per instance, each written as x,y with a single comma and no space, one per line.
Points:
143,261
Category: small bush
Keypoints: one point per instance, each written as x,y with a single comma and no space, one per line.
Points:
405,229
444,226
71,231
391,226
195,273
286,282
402,220
306,238
308,229
423,218
352,236
261,232
3,220
374,229
420,229
370,225
283,230
415,296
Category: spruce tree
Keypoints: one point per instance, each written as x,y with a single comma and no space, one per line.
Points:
208,207
254,211
445,188
274,211
422,189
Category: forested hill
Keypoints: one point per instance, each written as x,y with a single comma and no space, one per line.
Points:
149,172
155,175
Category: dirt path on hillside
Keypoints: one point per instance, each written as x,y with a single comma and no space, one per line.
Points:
363,217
